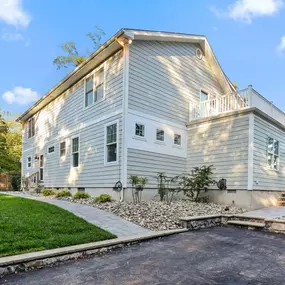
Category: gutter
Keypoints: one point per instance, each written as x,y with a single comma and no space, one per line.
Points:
72,73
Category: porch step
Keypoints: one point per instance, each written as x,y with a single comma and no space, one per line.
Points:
247,224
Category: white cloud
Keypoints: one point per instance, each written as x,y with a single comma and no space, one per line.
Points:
20,95
12,13
246,10
281,46
12,37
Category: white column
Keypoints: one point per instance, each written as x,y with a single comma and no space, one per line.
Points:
250,152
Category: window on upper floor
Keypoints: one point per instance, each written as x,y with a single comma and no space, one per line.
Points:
94,87
62,148
140,130
273,153
204,96
159,135
99,84
75,152
31,127
29,162
177,139
89,96
111,143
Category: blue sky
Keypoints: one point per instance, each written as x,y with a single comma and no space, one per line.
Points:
248,38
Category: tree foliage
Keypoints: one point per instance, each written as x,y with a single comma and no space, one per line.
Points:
73,57
10,143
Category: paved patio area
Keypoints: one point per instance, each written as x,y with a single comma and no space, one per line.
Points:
268,213
100,218
209,256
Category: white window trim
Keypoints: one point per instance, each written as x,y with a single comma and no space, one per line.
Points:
28,167
33,118
278,166
50,153
140,137
92,74
159,141
205,92
105,143
71,152
64,156
41,167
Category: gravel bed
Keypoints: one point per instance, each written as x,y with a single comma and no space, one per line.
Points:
156,215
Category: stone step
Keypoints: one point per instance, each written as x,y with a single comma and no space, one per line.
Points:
247,224
281,199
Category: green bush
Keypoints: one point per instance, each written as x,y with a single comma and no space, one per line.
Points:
103,198
16,182
63,193
81,195
48,192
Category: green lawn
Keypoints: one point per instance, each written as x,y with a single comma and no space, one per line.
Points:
27,225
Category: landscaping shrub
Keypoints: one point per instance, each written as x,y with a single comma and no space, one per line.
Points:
199,179
48,192
63,193
138,184
103,198
16,182
81,195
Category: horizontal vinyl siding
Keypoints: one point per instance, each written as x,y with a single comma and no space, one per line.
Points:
223,144
148,164
166,76
68,111
65,117
92,171
263,177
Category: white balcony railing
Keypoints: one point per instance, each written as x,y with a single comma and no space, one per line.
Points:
242,99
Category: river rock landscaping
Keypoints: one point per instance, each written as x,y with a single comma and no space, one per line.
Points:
156,215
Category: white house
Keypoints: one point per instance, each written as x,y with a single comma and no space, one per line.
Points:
148,102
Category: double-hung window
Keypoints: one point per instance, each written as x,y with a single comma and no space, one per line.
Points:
111,143
140,130
31,127
29,162
99,84
41,167
89,95
62,149
94,87
159,135
75,152
273,153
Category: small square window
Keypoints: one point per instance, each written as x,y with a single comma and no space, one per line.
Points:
160,135
51,149
177,139
139,130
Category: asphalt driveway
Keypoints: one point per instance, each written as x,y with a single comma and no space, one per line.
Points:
210,256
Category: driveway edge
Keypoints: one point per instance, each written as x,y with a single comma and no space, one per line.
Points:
39,259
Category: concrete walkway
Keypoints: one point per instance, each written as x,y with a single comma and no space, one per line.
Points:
267,213
95,216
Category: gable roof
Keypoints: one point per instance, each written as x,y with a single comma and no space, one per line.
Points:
113,45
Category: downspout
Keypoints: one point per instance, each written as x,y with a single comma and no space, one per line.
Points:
124,42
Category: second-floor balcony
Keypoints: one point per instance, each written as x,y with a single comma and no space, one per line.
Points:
239,100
